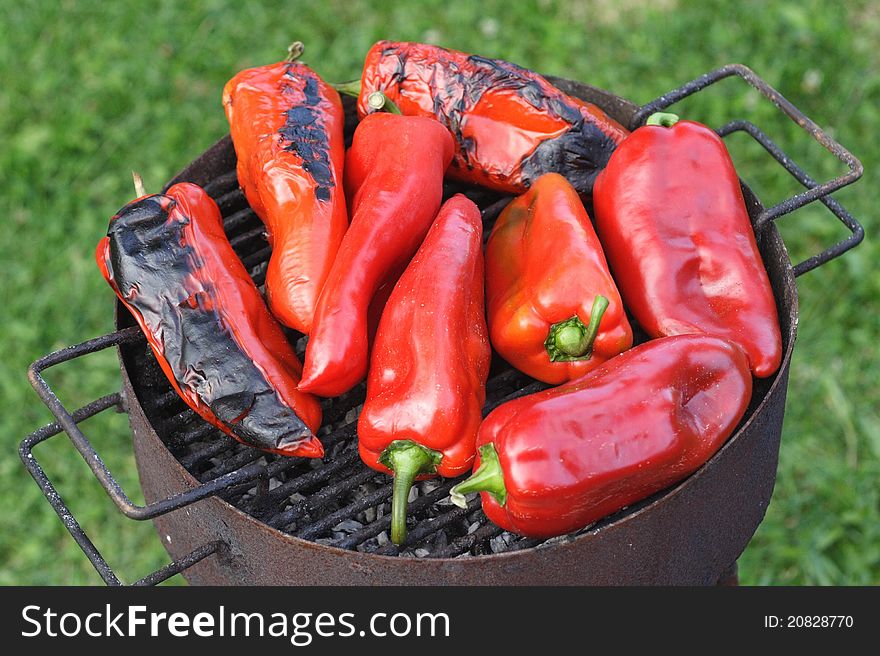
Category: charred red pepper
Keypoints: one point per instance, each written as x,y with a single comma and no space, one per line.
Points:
510,124
394,175
169,262
553,462
671,216
430,361
554,310
286,125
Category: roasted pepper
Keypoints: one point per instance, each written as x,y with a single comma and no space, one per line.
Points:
510,124
169,262
286,126
556,461
430,361
671,216
554,310
394,177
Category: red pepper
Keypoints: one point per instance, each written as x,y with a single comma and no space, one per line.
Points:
394,170
554,310
556,461
286,125
169,262
671,216
430,361
510,124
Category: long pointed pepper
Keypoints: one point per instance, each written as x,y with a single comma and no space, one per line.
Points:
287,128
168,259
430,362
395,186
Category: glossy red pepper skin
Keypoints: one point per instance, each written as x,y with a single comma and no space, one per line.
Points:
394,173
510,124
430,360
286,125
671,216
545,265
637,424
169,262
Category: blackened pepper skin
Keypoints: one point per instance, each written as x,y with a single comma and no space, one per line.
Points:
304,133
169,262
510,124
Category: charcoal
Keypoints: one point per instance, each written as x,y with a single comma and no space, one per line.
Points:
438,540
501,543
352,415
347,526
429,485
369,515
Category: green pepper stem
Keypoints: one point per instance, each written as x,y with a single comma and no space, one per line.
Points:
571,340
487,478
664,119
378,101
294,51
352,88
407,460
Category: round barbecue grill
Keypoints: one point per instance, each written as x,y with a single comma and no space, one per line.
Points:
231,514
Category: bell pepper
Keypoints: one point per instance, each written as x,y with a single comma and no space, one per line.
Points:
510,124
554,310
394,177
430,362
671,216
169,262
286,125
556,461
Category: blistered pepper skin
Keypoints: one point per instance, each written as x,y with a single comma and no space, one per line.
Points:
545,265
671,216
510,124
634,426
287,128
394,177
169,262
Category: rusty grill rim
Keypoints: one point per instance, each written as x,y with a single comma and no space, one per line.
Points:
68,423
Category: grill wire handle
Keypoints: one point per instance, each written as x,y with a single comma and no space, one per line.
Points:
67,422
815,191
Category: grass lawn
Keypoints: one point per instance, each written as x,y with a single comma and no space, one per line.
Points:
91,90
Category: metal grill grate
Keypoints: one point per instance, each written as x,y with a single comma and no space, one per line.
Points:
337,500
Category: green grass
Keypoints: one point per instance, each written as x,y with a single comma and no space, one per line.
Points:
91,90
